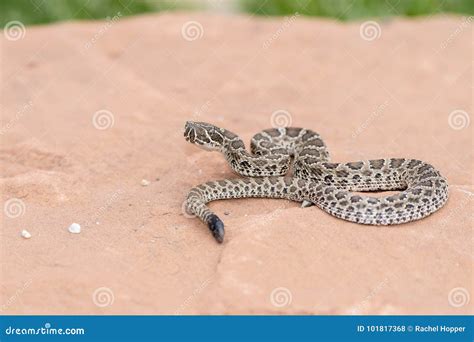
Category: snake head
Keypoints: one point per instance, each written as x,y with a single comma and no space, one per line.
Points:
205,135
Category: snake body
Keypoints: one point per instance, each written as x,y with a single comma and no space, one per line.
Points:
293,163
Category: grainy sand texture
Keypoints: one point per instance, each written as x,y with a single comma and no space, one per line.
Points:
92,133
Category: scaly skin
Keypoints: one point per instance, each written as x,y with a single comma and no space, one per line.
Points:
315,179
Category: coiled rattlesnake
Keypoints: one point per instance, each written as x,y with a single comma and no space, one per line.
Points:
314,179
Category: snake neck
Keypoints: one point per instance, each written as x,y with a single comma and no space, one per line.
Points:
246,164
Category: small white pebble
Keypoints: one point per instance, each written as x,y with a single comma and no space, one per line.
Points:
26,234
97,222
145,182
74,228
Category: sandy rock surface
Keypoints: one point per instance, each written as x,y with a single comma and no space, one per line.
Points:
91,109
